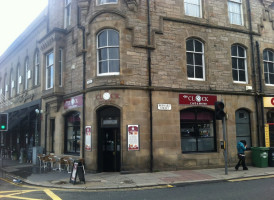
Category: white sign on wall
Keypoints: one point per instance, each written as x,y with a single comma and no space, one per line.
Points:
164,106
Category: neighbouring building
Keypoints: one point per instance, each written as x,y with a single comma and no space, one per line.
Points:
130,85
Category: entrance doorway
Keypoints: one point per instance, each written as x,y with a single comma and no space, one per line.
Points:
109,145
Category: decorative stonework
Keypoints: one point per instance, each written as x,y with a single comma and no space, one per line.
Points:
84,7
267,3
51,38
132,5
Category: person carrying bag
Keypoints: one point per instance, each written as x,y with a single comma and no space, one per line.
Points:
241,147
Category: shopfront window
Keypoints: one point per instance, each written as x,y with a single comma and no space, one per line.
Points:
197,130
72,136
243,127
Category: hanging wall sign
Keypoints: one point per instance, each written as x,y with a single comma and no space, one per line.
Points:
88,139
197,99
73,102
133,136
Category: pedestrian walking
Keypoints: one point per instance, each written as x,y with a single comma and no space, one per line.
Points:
241,147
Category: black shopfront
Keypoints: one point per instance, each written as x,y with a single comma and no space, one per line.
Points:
24,125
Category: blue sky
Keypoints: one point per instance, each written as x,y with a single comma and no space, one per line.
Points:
15,16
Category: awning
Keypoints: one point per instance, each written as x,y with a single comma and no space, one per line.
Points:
20,112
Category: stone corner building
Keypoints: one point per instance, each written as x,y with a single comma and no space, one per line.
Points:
130,85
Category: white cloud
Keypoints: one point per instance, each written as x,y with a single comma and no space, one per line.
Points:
15,16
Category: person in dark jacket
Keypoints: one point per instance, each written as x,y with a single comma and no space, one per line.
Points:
241,147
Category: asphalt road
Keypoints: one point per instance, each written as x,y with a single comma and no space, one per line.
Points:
262,188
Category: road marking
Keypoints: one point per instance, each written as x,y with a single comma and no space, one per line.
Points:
250,178
13,194
13,191
52,195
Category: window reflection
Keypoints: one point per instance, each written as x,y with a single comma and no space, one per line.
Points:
72,144
197,130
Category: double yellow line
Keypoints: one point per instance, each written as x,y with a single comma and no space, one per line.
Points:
251,178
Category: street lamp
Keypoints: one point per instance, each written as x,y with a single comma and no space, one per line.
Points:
38,113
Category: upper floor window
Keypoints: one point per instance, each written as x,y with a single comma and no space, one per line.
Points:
11,82
108,57
268,67
235,12
193,8
67,13
19,79
239,69
36,68
6,86
195,59
60,73
27,73
49,70
101,2
1,90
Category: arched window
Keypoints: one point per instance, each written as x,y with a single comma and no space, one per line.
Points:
11,82
36,68
108,53
268,67
6,86
197,130
195,59
19,79
26,73
243,127
72,133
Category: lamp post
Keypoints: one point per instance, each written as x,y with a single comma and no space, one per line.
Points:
38,113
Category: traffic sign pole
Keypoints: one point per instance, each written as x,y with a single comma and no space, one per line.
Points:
225,143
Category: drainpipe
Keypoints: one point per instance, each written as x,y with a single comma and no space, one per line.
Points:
149,84
253,69
261,89
84,81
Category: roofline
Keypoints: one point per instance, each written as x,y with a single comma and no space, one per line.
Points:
36,22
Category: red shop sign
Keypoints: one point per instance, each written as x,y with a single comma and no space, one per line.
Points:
73,102
197,99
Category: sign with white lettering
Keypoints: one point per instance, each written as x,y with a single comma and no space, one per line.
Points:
133,137
73,102
164,106
196,99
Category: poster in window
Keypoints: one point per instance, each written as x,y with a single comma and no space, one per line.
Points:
88,138
133,137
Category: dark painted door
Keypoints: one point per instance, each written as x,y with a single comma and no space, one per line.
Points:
111,149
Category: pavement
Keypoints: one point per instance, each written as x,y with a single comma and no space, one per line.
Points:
34,175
